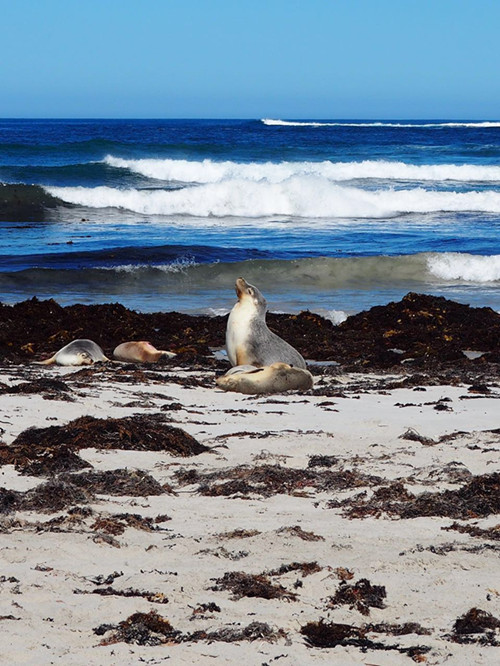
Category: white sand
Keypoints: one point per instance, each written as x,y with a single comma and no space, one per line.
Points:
425,583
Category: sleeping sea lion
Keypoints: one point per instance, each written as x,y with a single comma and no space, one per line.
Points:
139,352
274,378
77,352
248,339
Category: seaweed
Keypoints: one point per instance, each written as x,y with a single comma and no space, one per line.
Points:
268,480
50,388
135,483
431,331
297,531
51,450
466,629
242,584
153,597
255,631
491,533
153,629
324,634
478,497
141,629
361,596
305,568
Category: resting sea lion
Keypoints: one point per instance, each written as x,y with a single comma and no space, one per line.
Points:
248,339
274,378
77,352
139,352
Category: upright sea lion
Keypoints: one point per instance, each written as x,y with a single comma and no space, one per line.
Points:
274,378
77,352
139,352
248,339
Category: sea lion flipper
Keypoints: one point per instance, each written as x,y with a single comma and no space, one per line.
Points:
48,361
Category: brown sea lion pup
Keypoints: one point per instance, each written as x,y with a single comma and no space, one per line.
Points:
77,352
248,339
274,378
139,352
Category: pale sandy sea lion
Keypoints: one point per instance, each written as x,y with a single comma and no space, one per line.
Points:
139,352
248,339
274,378
77,352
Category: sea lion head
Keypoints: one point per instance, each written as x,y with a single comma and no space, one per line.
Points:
249,295
82,358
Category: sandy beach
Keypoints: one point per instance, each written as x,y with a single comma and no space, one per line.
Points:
355,523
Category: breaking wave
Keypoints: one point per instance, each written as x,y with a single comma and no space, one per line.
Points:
296,197
465,267
208,171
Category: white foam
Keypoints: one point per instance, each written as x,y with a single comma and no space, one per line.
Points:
298,123
177,266
335,316
297,197
208,171
466,267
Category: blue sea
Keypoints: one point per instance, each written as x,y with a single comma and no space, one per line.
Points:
330,216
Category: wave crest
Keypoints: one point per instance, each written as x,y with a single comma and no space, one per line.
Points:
465,267
208,171
297,197
316,123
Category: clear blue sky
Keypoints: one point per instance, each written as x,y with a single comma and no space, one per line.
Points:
250,58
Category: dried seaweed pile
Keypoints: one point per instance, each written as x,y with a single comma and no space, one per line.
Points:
267,480
324,634
361,595
430,332
479,497
476,626
153,629
43,451
67,490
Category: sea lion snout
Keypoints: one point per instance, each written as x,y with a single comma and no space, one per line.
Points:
247,292
241,287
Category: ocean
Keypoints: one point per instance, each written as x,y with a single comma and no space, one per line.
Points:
328,216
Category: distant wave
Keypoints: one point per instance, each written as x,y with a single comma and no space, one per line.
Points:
209,171
296,197
298,123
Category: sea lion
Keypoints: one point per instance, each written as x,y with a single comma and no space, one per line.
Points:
139,352
248,339
274,378
77,352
